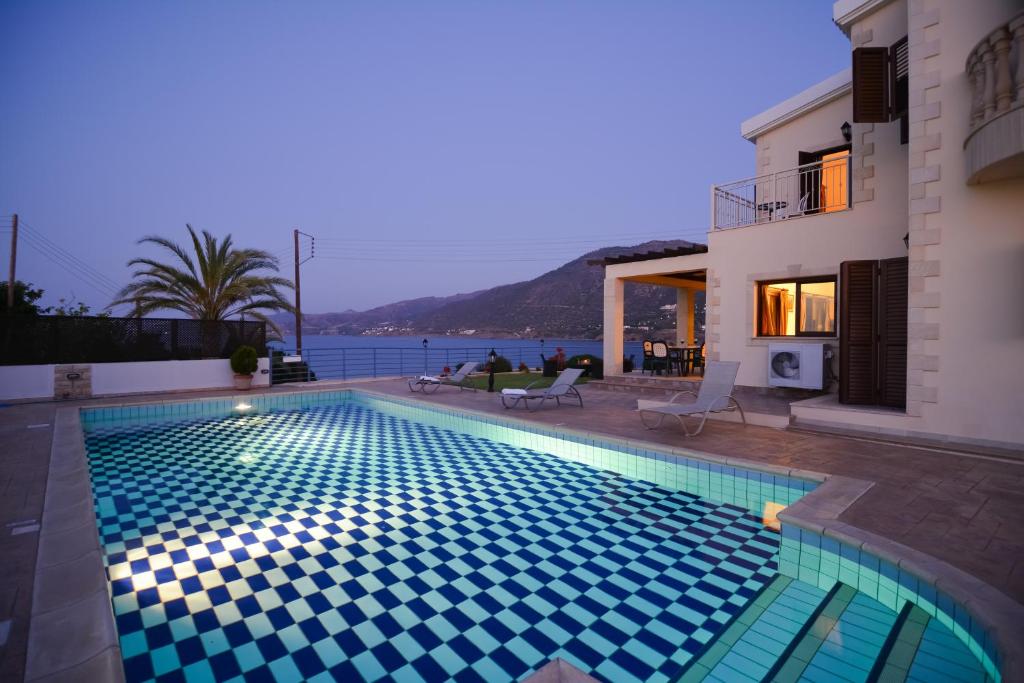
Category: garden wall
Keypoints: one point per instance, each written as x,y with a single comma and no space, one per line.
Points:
108,379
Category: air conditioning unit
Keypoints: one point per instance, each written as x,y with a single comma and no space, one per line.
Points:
796,365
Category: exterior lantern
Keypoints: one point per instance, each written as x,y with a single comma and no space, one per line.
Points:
491,357
846,130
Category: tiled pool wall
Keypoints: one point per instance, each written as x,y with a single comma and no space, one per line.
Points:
821,561
805,555
749,489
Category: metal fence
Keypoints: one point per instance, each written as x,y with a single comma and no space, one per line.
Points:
39,340
818,187
368,362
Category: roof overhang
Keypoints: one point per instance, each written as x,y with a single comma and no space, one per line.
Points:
819,94
684,250
846,12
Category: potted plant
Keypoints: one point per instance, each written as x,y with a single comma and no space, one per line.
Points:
244,363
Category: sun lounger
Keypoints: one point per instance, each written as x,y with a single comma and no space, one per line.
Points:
715,396
428,384
561,388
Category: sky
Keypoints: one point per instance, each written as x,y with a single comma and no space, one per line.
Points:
429,148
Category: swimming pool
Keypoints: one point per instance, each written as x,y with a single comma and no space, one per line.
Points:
338,536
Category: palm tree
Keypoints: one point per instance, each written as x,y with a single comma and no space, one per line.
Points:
214,282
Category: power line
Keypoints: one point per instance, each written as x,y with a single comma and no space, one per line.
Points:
58,260
38,235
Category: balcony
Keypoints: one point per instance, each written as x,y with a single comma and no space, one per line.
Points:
995,139
818,187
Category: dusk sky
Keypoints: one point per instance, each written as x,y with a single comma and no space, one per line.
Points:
431,147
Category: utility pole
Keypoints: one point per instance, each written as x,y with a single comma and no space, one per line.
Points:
14,262
298,298
298,287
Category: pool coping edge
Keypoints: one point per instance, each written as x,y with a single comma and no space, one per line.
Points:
818,511
81,628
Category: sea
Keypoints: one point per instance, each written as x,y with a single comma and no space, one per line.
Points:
351,357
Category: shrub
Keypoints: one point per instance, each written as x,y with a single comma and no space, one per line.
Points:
501,364
523,367
244,360
594,366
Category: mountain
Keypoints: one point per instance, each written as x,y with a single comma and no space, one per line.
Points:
566,302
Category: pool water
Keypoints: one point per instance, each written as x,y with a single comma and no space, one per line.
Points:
343,537
344,542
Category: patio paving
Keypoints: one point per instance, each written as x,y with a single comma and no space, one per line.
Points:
965,509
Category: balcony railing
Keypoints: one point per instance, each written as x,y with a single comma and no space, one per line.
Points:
818,187
995,68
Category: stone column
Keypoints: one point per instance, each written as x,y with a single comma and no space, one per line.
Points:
614,309
685,302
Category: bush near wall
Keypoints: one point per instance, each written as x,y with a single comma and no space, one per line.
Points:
593,368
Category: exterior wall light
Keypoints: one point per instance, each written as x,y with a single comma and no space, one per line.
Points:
846,130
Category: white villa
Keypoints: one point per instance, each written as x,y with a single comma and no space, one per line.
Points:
884,222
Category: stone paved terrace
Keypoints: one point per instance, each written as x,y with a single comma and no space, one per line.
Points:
965,509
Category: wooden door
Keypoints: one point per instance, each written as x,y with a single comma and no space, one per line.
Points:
857,332
873,332
892,332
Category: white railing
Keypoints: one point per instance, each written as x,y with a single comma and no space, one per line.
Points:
818,187
995,68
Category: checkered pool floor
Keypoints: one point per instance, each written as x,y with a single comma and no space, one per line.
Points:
342,543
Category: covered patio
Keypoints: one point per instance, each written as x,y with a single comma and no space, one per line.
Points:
684,268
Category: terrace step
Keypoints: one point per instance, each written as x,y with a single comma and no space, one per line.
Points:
749,646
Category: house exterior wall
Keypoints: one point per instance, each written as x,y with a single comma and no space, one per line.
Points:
967,242
778,149
801,247
965,326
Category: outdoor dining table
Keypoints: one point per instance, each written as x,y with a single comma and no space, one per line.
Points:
687,354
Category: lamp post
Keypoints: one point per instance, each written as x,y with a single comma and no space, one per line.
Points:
425,342
492,356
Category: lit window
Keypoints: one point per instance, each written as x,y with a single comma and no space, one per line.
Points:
804,307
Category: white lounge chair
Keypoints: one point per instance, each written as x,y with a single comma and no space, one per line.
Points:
561,388
715,396
428,384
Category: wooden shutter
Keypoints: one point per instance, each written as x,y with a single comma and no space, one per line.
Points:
871,84
857,332
892,332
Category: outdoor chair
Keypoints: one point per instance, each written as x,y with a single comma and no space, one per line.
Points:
429,384
714,396
648,351
697,360
659,357
561,388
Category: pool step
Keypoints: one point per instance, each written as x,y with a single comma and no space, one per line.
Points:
794,632
844,642
941,656
748,647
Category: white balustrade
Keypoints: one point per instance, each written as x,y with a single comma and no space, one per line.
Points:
995,68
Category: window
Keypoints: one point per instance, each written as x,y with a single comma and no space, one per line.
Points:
797,308
881,85
824,182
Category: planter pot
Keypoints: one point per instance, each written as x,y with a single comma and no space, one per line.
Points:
550,368
243,382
